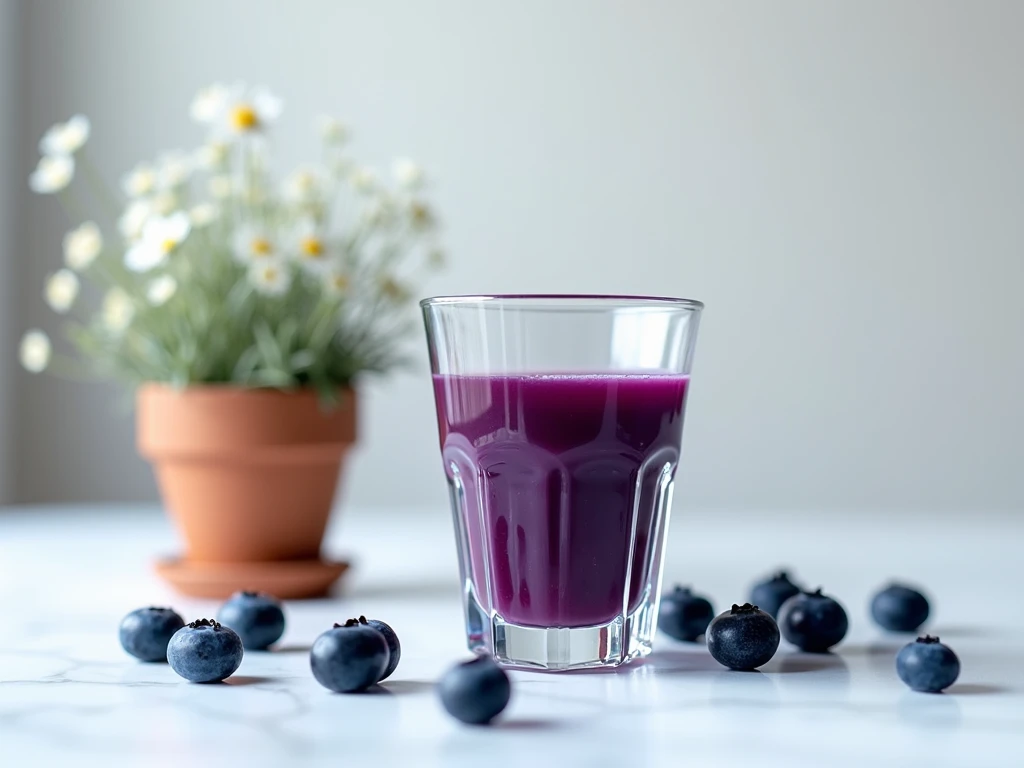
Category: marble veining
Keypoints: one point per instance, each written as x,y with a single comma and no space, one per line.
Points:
70,696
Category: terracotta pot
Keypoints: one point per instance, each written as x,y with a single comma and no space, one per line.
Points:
247,475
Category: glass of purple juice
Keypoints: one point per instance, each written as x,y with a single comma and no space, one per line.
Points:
560,420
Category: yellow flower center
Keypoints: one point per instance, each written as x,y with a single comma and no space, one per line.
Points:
260,246
244,118
270,274
339,283
420,213
168,244
392,289
311,247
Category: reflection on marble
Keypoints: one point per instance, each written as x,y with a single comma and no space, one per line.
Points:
70,696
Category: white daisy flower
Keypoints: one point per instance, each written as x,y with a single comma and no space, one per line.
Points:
271,278
253,244
173,169
65,138
436,258
407,173
421,217
247,111
336,282
379,211
53,174
310,249
303,186
139,181
364,179
160,236
212,156
117,310
82,245
251,194
164,203
332,130
160,290
134,219
392,289
61,290
203,214
35,351
220,187
340,166
208,103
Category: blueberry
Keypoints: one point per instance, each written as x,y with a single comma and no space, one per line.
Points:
394,647
256,617
899,608
145,632
771,593
743,638
475,692
350,657
684,615
927,665
205,651
812,621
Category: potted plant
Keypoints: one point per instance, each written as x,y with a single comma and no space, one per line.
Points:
243,314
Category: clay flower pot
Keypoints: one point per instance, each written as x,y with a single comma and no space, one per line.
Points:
249,477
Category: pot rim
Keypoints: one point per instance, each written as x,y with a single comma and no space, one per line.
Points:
228,388
243,423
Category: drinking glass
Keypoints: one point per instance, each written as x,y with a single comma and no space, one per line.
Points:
560,421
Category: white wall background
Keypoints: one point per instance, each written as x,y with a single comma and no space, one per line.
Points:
842,183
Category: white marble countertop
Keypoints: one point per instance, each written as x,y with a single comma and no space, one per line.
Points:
70,696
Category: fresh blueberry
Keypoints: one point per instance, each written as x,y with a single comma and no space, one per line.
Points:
743,638
145,632
812,621
927,665
475,692
350,657
771,593
394,647
684,615
204,651
257,618
899,608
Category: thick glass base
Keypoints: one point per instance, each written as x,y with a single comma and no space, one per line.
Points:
559,649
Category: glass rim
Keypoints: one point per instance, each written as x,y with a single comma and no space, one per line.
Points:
570,300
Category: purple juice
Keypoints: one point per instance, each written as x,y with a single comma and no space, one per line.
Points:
562,482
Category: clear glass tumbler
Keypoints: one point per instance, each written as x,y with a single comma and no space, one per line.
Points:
560,420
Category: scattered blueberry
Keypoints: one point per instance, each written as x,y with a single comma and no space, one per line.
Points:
394,647
899,608
927,665
204,651
812,621
771,593
475,692
145,632
684,615
257,618
743,638
350,657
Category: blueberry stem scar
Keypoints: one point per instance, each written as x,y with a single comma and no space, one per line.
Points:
745,608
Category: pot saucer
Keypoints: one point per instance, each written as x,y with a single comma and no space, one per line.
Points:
285,579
